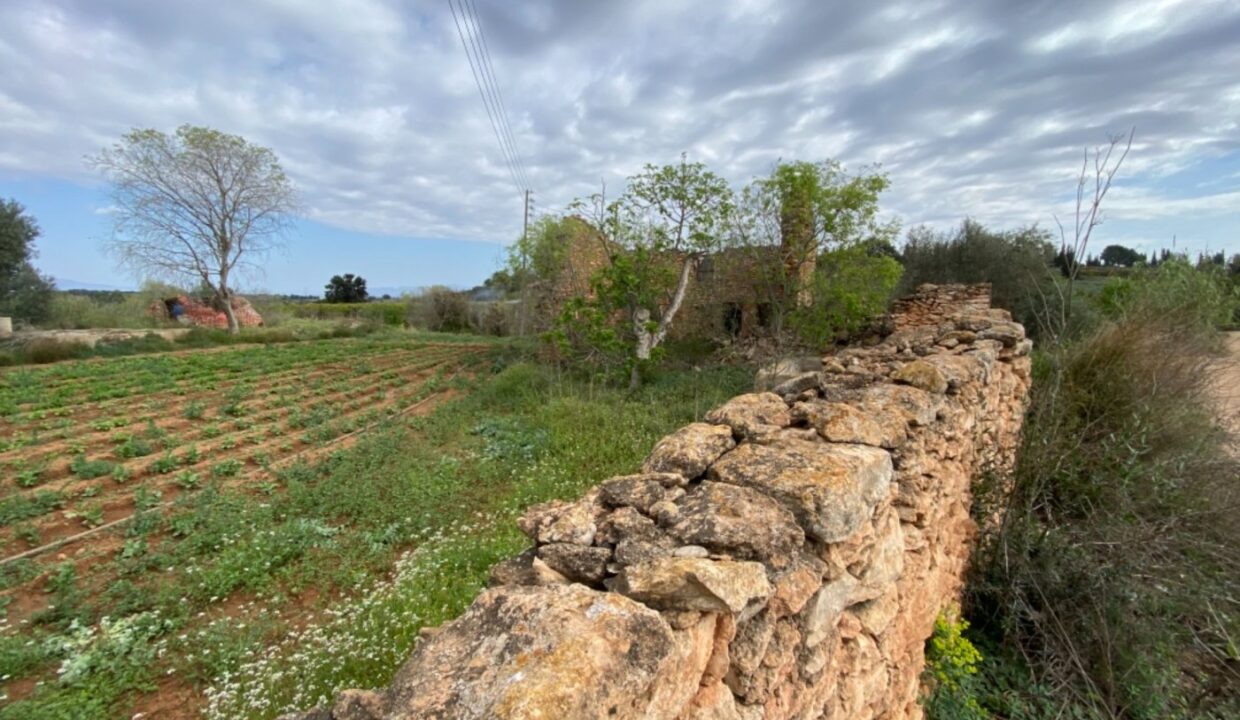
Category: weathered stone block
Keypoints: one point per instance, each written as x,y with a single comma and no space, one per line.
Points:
739,521
557,659
921,374
690,450
678,583
830,489
752,414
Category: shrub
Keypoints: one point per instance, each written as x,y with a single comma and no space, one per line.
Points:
850,288
440,309
1015,263
492,318
952,664
1114,567
46,350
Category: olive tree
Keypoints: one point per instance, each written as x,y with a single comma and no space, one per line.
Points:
200,206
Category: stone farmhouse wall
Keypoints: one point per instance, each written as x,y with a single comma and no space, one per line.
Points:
784,558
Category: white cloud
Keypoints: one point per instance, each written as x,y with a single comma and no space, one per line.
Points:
974,109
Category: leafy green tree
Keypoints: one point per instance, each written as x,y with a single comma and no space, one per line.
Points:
539,255
347,288
199,206
850,286
1120,256
25,294
657,233
798,213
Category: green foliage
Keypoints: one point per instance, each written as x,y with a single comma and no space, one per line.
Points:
89,469
850,287
348,288
801,214
1200,296
195,410
538,256
165,464
131,446
226,469
1113,568
28,477
814,207
440,309
1016,264
78,309
656,233
952,664
1120,256
15,508
381,312
25,294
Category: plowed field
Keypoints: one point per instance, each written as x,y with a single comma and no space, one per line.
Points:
86,445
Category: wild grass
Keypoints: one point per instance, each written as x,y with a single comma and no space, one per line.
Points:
1113,578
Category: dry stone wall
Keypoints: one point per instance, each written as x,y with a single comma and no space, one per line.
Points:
784,558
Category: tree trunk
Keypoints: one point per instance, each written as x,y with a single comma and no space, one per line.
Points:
648,340
233,326
645,343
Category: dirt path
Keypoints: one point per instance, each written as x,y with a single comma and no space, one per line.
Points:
1226,388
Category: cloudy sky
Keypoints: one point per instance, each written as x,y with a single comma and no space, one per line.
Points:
978,108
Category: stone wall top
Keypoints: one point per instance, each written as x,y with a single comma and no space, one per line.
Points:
933,304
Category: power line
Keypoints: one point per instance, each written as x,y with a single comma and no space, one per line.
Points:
493,109
486,104
489,91
503,110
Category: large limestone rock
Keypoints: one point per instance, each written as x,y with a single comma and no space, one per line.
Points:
752,414
690,450
687,583
845,423
546,652
923,375
739,521
831,489
561,522
780,371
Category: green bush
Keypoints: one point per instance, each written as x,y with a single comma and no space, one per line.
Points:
1115,567
850,288
440,309
382,312
952,664
43,351
1015,263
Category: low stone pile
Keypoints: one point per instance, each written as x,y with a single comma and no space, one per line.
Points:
784,558
935,304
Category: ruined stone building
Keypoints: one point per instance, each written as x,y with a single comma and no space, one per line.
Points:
735,292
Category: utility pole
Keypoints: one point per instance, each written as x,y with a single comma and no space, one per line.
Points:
525,227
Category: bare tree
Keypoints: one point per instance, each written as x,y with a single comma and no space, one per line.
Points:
198,206
1106,163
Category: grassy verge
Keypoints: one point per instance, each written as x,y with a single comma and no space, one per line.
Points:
1111,586
217,591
